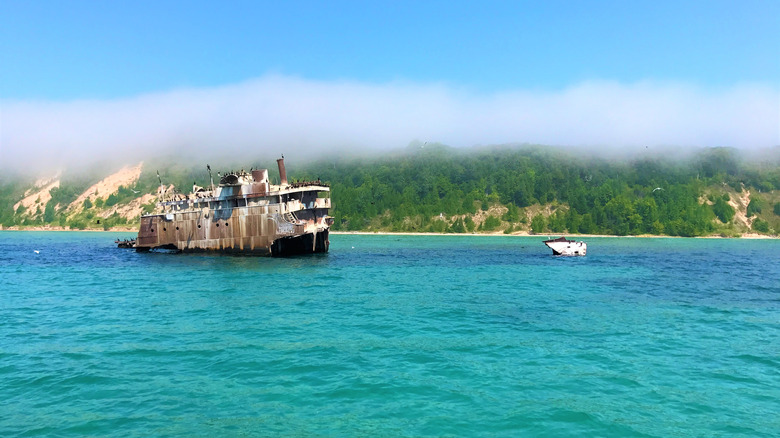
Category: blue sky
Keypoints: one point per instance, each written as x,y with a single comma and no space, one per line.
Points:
74,49
80,81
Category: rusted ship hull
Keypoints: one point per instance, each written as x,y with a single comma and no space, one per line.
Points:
249,234
245,215
245,231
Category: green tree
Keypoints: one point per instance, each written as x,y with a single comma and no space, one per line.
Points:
438,226
573,221
48,212
754,207
457,227
512,214
647,209
538,224
723,210
78,223
469,223
491,223
587,226
618,211
557,221
760,226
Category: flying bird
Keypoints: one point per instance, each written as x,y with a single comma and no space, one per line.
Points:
657,188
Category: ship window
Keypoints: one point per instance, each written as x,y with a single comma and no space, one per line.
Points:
151,230
226,224
217,224
198,225
177,228
165,229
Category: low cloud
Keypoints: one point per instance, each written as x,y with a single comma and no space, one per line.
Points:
275,114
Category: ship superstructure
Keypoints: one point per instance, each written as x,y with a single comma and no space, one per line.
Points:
244,214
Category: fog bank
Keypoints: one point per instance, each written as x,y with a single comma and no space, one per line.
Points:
276,114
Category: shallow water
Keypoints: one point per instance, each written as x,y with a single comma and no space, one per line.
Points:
391,336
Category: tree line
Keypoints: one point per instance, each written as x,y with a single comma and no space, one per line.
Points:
434,188
440,189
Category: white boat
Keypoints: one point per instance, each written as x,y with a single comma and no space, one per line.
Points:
563,246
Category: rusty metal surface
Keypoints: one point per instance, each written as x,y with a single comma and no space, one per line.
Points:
282,171
246,215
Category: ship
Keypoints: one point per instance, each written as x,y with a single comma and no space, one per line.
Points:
244,214
563,246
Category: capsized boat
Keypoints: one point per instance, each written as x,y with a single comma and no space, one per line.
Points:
563,246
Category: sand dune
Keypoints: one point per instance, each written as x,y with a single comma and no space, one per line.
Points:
39,197
107,186
740,209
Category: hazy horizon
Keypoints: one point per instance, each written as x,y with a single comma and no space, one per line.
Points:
278,114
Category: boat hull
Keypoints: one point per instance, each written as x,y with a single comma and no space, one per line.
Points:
565,247
242,230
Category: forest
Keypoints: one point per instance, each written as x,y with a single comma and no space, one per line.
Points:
435,188
439,189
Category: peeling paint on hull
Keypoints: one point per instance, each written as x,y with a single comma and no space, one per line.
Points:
244,215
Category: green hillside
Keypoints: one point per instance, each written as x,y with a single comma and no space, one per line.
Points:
433,188
437,189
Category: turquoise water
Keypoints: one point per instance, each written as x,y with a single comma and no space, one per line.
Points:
391,336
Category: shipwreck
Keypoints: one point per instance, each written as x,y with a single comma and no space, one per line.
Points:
244,214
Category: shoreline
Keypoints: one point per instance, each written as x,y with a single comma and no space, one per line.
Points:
59,229
390,233
549,235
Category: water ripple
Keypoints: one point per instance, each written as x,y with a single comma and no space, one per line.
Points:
391,336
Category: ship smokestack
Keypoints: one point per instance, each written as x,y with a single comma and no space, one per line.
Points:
282,171
260,175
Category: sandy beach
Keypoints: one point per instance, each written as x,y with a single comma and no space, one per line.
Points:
546,235
390,233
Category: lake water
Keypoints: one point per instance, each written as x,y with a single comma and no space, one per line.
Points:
391,336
